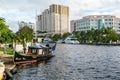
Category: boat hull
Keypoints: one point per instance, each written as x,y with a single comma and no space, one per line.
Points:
23,59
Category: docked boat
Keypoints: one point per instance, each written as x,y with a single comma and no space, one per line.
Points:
71,40
35,54
46,40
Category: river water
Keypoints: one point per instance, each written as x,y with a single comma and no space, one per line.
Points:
75,62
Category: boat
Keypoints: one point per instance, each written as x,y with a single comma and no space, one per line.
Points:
35,54
71,40
46,40
60,41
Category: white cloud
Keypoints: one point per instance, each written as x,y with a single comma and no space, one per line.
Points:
25,10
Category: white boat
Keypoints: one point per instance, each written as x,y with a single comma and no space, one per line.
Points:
46,40
60,41
71,40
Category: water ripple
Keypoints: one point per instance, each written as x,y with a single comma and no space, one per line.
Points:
76,62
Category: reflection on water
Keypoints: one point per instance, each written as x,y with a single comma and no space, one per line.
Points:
76,62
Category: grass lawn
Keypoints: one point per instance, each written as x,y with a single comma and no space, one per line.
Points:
8,50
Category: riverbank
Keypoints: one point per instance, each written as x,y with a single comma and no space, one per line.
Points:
2,69
6,62
106,44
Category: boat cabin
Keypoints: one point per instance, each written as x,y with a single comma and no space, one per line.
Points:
38,50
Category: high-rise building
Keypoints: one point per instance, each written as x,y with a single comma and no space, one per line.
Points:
54,20
72,26
29,24
96,22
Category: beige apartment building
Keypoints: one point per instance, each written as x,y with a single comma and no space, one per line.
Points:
54,20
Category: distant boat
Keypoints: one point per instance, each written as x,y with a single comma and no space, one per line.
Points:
60,41
71,40
46,40
35,54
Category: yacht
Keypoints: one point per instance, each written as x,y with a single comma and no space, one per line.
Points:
71,40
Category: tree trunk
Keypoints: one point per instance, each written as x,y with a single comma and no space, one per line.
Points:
24,46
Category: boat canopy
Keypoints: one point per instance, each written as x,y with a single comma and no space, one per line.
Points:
35,47
72,37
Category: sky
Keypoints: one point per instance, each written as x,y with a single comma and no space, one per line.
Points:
26,10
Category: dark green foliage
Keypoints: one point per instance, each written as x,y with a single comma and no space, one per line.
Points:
103,35
56,37
8,50
6,35
77,33
65,35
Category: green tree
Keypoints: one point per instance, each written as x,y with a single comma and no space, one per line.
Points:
65,35
112,36
77,34
6,35
25,35
97,35
56,37
3,28
103,35
83,36
5,32
90,35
